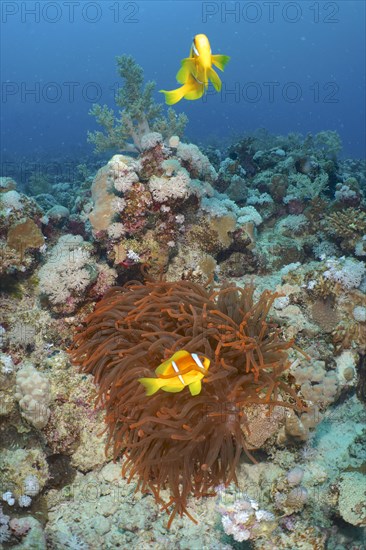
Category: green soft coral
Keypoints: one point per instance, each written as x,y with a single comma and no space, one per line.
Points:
139,114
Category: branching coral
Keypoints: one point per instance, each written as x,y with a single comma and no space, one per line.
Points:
347,226
139,114
186,444
302,187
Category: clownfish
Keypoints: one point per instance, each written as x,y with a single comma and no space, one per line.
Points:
181,370
196,70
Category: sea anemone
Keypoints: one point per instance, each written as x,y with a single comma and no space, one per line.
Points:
187,444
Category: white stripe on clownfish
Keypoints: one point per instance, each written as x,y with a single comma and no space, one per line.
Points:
197,360
176,368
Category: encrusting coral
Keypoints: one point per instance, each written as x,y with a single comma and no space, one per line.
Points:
186,444
24,235
21,237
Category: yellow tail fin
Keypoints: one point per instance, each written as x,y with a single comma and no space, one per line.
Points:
174,95
152,385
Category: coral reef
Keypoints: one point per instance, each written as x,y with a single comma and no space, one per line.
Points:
251,247
139,216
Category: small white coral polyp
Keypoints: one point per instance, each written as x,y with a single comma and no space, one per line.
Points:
244,521
69,270
176,187
345,271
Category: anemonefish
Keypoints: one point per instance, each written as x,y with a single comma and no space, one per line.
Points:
181,370
196,71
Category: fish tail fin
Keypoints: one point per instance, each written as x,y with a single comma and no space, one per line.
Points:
215,79
173,96
220,61
152,385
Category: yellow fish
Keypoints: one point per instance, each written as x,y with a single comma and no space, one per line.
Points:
181,370
196,70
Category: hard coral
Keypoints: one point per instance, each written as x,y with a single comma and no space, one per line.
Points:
346,226
187,444
23,235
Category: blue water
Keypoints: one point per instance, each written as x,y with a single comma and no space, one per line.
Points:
295,67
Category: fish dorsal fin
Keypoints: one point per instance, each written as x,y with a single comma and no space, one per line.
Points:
188,67
166,367
220,61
